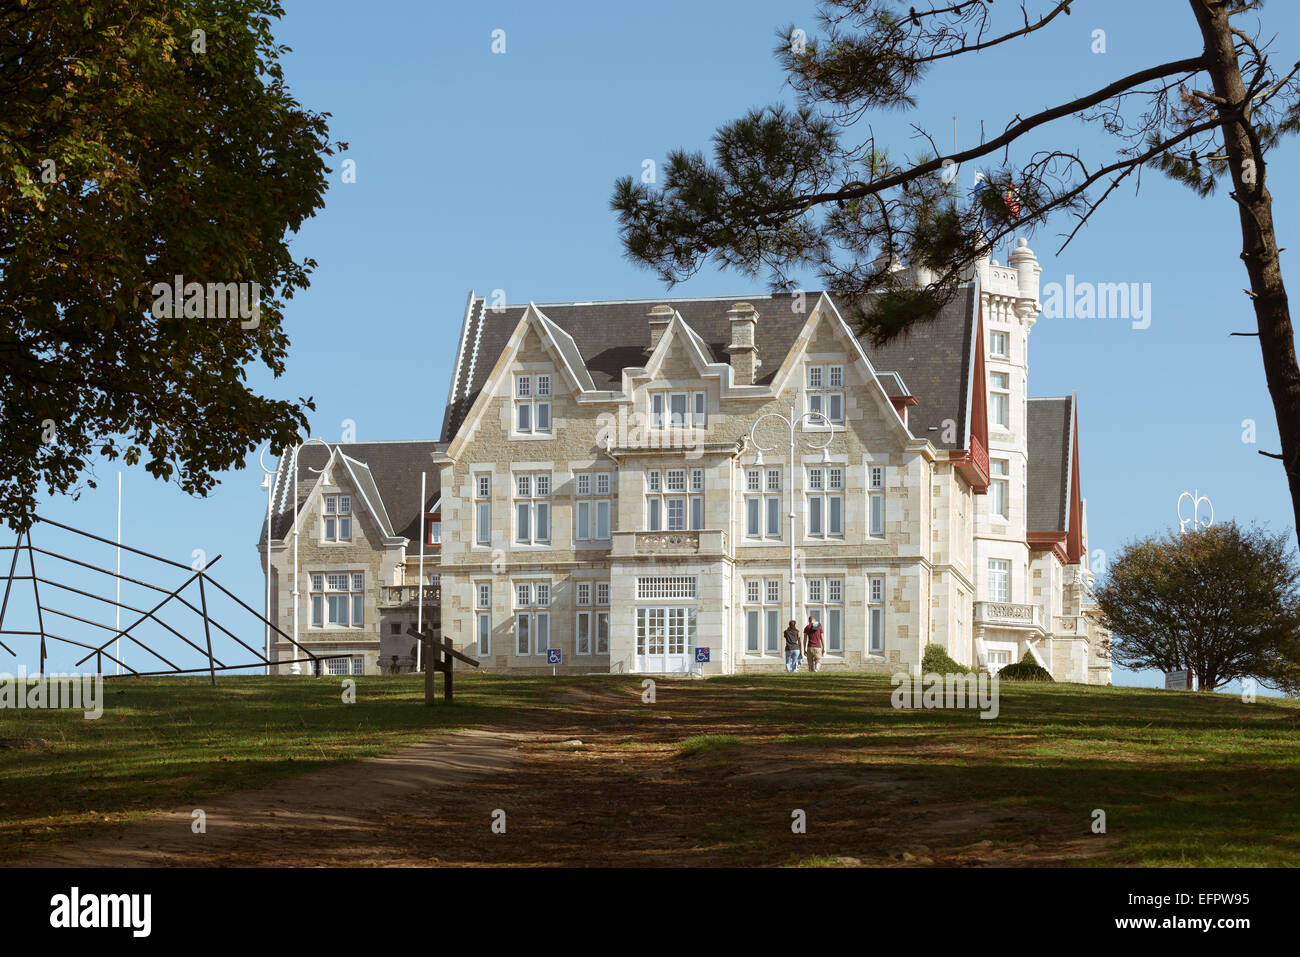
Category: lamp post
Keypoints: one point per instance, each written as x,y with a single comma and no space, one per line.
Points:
268,483
792,422
296,667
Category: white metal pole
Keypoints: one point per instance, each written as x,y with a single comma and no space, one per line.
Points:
117,611
296,667
270,496
419,586
794,605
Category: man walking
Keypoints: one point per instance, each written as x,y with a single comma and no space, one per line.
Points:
793,650
812,634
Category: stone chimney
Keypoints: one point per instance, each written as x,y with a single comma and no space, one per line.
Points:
744,344
659,317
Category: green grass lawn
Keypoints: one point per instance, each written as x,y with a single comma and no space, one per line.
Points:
1184,778
166,742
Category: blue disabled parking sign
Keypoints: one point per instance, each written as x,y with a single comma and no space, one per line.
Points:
701,656
553,656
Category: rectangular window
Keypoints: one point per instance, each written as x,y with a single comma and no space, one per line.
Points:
435,532
484,635
656,410
602,483
752,618
483,509
876,615
522,641
678,586
582,640
602,632
602,593
999,345
698,419
876,500
484,595
825,503
677,409
1000,399
999,484
773,517
532,508
532,406
773,631
337,515
584,593
338,600
823,399
999,579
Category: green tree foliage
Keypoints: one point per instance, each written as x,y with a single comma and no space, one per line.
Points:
142,140
791,189
936,661
1223,602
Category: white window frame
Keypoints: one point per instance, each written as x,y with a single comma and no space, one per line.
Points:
596,513
482,508
532,616
1000,489
763,609
821,396
823,497
999,580
336,518
1000,399
531,496
996,336
533,402
350,586
875,501
876,615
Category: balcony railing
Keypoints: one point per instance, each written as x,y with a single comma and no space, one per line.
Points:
698,542
1003,614
397,595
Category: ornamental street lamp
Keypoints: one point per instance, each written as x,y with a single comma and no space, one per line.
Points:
296,667
268,483
793,422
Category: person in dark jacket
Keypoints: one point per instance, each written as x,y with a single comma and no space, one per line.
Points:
793,647
816,646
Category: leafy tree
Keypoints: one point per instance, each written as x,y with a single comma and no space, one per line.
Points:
809,187
142,140
1222,601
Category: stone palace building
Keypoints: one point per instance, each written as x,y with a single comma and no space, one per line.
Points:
609,483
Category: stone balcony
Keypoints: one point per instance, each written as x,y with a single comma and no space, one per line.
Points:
1001,614
405,596
707,542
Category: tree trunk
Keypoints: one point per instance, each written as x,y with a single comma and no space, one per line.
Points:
1259,243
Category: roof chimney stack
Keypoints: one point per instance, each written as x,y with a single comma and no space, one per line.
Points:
744,344
659,317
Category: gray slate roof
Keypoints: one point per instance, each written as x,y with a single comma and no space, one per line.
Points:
1049,439
934,360
387,473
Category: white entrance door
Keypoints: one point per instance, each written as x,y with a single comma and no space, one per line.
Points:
665,639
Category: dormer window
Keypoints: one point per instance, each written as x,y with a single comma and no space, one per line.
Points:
677,410
533,404
337,514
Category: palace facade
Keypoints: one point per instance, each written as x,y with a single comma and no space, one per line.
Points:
614,480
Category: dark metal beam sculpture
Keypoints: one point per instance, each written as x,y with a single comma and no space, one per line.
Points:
99,652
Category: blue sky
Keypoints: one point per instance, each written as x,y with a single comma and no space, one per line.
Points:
489,171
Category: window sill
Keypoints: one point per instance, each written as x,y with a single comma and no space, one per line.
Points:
531,436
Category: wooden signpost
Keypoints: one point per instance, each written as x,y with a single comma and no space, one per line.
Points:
439,655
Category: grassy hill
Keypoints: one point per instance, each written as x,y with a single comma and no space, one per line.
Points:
717,767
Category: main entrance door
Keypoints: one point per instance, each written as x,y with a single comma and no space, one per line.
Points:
665,639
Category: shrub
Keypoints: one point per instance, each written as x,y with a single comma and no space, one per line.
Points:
1025,670
937,661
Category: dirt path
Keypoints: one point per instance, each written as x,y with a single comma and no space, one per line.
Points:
336,816
600,782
